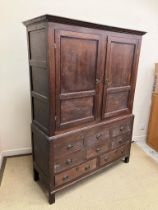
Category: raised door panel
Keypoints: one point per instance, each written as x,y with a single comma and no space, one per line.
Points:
120,70
77,78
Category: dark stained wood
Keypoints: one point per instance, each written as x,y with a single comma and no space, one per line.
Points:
57,19
35,175
39,80
69,161
98,150
68,144
97,136
41,112
37,42
121,128
67,176
40,153
51,78
120,140
82,83
120,66
114,155
76,109
77,74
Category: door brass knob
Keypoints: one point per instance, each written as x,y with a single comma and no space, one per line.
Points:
97,81
106,82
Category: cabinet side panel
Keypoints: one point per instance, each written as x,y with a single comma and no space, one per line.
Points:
51,76
40,151
37,43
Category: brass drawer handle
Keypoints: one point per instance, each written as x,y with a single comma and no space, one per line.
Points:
68,161
87,168
65,178
98,135
98,149
69,146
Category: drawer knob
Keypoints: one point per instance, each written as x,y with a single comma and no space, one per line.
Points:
98,135
120,141
65,178
69,146
68,161
98,149
87,168
121,128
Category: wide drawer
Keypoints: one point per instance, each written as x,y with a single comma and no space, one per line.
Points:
75,172
113,155
121,127
120,140
69,161
97,150
68,144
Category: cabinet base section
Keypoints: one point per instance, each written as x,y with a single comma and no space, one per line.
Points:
126,160
51,198
35,175
51,193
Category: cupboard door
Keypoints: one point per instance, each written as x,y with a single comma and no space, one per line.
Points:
120,74
77,78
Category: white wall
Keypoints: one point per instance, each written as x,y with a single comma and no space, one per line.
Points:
14,75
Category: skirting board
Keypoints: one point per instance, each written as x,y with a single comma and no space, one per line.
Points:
20,151
139,138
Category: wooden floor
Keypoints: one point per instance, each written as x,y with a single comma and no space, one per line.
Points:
132,186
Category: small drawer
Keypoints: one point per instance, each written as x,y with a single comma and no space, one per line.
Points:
69,161
68,144
75,172
99,135
121,128
113,155
120,140
97,150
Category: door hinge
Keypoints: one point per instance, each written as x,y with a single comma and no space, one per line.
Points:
55,46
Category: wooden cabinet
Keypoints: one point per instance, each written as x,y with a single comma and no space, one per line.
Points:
152,137
82,78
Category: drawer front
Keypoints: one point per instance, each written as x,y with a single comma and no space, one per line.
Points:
121,128
120,140
69,161
114,155
97,150
68,144
98,135
75,172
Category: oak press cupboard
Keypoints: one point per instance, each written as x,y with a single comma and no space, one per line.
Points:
82,78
